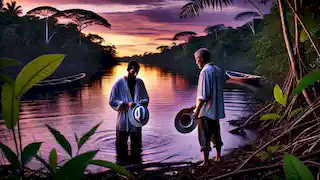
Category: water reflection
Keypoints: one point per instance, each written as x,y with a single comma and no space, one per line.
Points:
79,110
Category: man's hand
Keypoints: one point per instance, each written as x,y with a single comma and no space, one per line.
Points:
195,115
192,107
128,105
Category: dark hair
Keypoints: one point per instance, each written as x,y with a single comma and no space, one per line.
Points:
132,64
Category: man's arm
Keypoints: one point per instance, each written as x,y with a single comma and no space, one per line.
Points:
114,99
203,93
145,97
199,105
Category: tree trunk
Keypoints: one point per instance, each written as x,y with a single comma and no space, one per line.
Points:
47,31
297,41
286,36
251,25
288,43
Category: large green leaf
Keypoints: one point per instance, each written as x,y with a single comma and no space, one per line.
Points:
10,155
64,143
35,71
306,81
10,106
278,95
5,78
5,62
271,116
75,167
29,152
111,166
53,159
295,169
85,137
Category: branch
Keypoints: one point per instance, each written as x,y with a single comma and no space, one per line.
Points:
304,28
158,164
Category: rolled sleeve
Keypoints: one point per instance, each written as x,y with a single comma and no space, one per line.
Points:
144,94
114,102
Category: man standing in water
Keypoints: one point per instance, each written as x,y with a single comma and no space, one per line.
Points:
209,107
125,93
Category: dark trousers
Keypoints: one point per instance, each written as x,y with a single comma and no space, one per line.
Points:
123,157
209,131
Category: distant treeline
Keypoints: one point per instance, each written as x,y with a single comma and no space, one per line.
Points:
262,52
23,39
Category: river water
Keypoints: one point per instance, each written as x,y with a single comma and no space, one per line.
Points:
77,111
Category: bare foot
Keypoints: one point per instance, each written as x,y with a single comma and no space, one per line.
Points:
217,158
205,164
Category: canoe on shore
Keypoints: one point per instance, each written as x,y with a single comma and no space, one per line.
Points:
62,83
239,76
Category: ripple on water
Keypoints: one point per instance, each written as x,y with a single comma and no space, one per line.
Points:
152,143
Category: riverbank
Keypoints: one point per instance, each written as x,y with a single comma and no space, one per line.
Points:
260,159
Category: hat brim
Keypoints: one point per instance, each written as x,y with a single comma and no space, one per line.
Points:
136,123
185,127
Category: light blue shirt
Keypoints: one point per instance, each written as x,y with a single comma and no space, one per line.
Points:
210,89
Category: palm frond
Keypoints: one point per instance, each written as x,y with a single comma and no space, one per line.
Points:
313,25
194,7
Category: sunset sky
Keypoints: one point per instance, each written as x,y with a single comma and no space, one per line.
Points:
139,26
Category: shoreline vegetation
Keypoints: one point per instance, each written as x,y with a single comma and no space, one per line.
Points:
26,37
284,49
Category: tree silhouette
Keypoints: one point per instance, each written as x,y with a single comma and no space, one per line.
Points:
182,35
45,11
95,38
12,8
162,48
215,29
248,15
83,18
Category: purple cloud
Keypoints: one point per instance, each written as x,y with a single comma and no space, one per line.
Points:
100,2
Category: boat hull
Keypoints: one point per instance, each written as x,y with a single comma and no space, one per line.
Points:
242,77
66,83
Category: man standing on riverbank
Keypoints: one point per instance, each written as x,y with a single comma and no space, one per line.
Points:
125,93
209,107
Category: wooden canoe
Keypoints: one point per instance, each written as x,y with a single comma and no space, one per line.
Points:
239,76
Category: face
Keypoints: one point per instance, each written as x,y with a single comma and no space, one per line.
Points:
133,72
198,60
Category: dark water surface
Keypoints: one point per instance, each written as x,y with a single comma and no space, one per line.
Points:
77,111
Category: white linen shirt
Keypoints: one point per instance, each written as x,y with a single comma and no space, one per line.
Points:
120,93
210,89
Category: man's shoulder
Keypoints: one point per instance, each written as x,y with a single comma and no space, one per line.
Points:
139,80
118,80
211,68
